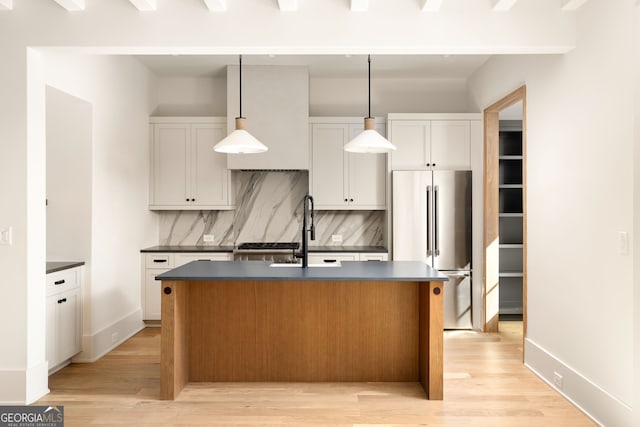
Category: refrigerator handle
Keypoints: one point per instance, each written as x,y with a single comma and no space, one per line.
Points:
436,228
429,251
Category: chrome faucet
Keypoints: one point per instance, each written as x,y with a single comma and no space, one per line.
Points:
312,230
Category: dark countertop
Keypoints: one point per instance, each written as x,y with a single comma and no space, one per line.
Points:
378,249
52,267
349,270
189,249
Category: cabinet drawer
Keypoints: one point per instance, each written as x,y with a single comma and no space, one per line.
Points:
159,261
61,281
185,258
366,256
320,258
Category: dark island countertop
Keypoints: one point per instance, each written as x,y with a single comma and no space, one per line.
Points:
52,267
394,271
176,248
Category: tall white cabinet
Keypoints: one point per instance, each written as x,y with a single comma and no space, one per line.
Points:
185,171
342,180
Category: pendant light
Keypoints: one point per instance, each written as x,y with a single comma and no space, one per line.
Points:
369,141
240,141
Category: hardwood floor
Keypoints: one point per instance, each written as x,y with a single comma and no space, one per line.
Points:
485,385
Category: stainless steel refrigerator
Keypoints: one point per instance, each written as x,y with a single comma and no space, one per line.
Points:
432,223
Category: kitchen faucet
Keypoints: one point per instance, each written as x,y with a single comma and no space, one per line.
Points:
312,230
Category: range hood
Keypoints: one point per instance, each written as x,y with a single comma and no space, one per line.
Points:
276,104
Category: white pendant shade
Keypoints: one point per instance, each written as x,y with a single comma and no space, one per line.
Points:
240,141
369,141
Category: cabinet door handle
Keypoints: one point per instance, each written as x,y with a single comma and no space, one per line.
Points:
346,200
193,200
159,260
58,282
351,200
60,301
186,200
330,260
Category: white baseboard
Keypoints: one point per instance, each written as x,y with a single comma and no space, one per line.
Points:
24,386
102,342
602,407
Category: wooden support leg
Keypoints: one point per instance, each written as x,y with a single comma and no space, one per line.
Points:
174,369
431,338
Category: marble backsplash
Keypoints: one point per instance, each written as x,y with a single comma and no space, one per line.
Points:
269,209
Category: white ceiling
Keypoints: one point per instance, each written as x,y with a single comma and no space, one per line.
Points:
322,66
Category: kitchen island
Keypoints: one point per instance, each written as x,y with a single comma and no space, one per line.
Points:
248,321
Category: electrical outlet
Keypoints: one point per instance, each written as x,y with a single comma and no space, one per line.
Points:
114,337
6,236
623,243
336,238
208,238
557,380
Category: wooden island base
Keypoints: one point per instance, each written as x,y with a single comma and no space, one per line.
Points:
334,331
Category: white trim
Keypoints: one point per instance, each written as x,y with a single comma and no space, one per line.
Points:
572,4
598,404
431,5
359,5
343,119
23,386
97,345
216,5
288,5
145,5
72,5
200,119
434,116
6,4
503,5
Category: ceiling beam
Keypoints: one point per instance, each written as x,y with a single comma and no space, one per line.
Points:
216,5
359,5
503,5
144,5
71,5
572,4
431,5
288,5
6,4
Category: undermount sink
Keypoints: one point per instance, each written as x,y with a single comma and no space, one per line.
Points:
324,264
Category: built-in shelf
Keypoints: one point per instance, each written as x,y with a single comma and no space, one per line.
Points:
510,215
511,218
511,274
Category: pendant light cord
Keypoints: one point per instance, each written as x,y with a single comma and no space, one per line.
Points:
369,86
240,85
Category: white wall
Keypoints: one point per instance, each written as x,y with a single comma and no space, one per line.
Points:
189,96
636,216
580,174
121,225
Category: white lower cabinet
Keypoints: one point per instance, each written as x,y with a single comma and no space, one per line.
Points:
332,257
154,264
63,316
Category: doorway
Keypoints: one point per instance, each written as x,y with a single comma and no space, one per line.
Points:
505,213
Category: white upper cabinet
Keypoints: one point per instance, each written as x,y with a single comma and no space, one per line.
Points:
342,180
275,101
185,171
431,141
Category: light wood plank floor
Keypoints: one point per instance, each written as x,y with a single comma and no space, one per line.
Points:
485,385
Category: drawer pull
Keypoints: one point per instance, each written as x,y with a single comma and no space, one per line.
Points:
330,260
159,260
58,282
60,301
